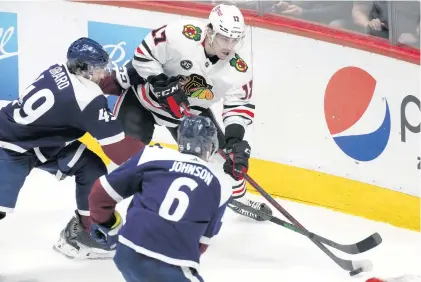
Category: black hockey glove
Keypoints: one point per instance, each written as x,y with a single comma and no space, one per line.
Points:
238,161
120,79
169,93
2,215
127,76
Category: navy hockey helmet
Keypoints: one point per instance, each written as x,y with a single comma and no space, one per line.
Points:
197,135
86,54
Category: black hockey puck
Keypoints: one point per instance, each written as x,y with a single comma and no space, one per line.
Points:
355,271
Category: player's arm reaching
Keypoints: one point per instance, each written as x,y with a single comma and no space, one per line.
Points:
152,53
238,113
99,121
106,193
150,56
148,59
120,79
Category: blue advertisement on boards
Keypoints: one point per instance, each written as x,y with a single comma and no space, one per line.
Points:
9,72
120,41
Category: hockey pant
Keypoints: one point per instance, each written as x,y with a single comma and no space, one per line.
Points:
139,123
73,160
136,267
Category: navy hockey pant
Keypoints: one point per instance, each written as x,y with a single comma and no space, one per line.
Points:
73,160
136,267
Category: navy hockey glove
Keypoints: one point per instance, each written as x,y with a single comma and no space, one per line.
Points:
169,93
238,161
106,234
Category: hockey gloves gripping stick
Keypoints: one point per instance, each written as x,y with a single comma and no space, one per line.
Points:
238,162
169,93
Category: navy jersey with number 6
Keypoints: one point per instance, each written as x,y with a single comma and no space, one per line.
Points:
58,108
178,203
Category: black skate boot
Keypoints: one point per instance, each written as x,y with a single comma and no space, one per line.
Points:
255,205
76,243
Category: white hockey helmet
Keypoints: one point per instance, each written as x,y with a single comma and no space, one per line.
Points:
228,21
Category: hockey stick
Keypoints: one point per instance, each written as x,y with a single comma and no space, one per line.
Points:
356,248
354,267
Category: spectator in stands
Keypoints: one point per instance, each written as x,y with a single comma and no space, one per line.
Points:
408,22
411,38
371,17
332,13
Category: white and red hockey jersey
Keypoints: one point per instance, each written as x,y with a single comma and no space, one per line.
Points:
178,49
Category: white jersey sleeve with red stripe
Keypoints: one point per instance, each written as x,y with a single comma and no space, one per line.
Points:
238,107
151,54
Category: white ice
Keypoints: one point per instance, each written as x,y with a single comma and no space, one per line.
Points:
245,250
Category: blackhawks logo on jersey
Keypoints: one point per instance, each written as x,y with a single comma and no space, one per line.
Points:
195,86
238,63
192,32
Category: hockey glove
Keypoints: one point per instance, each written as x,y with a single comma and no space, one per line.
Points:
106,234
121,79
2,215
127,76
169,93
238,161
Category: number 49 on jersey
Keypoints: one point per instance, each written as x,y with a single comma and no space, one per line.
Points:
105,115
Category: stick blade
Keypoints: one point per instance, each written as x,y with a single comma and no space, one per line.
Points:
369,242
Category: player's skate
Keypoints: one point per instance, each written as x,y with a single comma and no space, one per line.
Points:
76,243
253,204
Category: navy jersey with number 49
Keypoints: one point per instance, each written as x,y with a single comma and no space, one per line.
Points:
178,202
58,108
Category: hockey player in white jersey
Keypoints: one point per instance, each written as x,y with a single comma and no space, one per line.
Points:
192,65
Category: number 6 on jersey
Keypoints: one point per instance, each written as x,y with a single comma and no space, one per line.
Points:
175,193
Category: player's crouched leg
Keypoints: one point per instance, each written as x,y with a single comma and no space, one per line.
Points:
75,240
136,267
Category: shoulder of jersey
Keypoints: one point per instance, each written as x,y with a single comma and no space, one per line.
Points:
157,152
84,89
186,33
240,63
223,181
223,178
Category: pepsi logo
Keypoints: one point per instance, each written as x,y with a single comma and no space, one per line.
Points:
347,97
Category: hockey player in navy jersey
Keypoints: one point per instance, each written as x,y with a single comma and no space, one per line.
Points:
41,130
178,203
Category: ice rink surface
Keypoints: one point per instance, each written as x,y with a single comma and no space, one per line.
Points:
245,250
